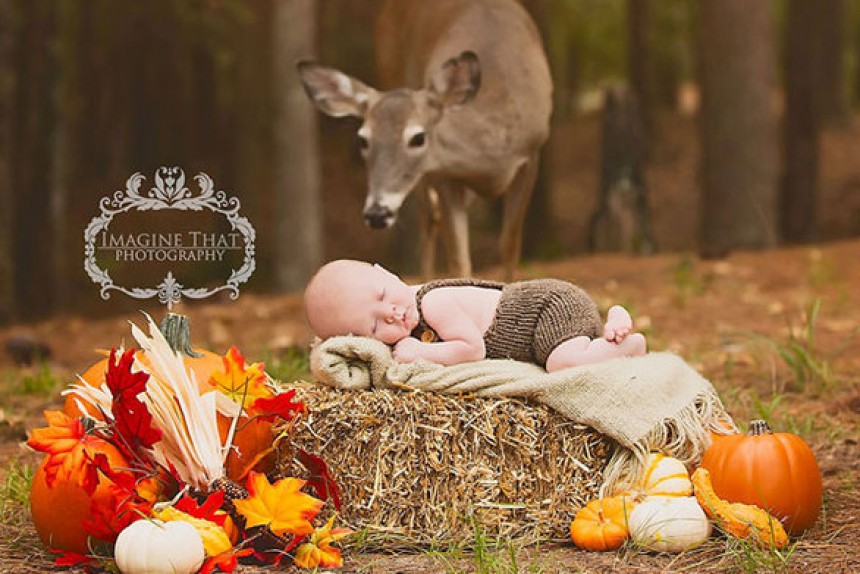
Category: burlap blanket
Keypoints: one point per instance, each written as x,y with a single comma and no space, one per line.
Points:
652,403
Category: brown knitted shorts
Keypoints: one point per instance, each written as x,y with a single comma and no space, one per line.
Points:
534,317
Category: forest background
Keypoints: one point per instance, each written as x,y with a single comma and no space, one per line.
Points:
747,108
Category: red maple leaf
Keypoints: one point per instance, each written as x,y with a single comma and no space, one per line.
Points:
122,505
280,405
69,558
320,479
207,511
226,562
132,427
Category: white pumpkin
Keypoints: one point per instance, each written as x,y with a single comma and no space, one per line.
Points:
156,547
669,523
663,476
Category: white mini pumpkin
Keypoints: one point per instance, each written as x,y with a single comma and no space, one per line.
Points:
669,523
156,547
663,476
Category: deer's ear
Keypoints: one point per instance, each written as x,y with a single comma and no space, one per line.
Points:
456,82
333,92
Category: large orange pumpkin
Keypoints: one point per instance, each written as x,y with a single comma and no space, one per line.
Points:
774,471
60,509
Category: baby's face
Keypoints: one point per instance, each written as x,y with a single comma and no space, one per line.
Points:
363,300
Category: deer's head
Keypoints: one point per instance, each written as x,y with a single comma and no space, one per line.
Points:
396,136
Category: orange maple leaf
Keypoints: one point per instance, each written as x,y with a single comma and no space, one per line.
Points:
280,506
68,448
243,384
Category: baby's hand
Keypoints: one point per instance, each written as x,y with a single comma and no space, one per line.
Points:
406,350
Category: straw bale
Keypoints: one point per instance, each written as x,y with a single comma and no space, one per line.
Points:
419,468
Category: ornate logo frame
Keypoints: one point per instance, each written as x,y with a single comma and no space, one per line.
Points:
169,192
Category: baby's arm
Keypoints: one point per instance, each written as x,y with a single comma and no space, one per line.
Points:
461,340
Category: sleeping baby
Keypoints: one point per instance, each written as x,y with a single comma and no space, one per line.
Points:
549,322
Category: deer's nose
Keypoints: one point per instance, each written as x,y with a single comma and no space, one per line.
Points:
377,216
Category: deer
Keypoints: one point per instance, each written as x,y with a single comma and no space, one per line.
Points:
466,114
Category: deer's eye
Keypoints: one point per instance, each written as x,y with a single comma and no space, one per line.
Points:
363,142
418,140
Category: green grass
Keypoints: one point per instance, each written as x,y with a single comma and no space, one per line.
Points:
487,555
289,366
15,489
810,371
41,382
688,283
750,558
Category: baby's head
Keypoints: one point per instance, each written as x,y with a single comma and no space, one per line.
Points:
353,297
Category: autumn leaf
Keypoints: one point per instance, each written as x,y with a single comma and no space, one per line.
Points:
132,426
280,405
67,444
224,562
241,384
280,506
210,509
318,551
69,558
320,478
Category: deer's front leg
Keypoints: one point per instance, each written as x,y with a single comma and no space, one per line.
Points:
516,205
431,216
454,201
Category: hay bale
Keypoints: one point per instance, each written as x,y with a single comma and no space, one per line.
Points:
421,468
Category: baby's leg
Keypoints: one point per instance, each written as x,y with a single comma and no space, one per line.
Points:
619,323
584,351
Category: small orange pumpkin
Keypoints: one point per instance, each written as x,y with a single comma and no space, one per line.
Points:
601,524
774,471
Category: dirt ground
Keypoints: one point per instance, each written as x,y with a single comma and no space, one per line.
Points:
728,318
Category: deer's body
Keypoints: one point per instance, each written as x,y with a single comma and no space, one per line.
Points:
468,111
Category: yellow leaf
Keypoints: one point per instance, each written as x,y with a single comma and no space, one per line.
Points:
280,506
318,551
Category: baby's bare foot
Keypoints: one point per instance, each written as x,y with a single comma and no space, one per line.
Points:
619,324
634,345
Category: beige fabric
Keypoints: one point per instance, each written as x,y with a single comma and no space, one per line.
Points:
652,403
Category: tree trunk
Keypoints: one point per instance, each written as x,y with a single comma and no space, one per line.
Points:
639,61
64,100
802,120
298,212
8,20
540,238
834,110
739,131
31,158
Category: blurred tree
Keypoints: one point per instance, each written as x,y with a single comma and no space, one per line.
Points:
801,135
835,110
8,19
31,123
65,104
739,129
539,233
298,219
639,61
